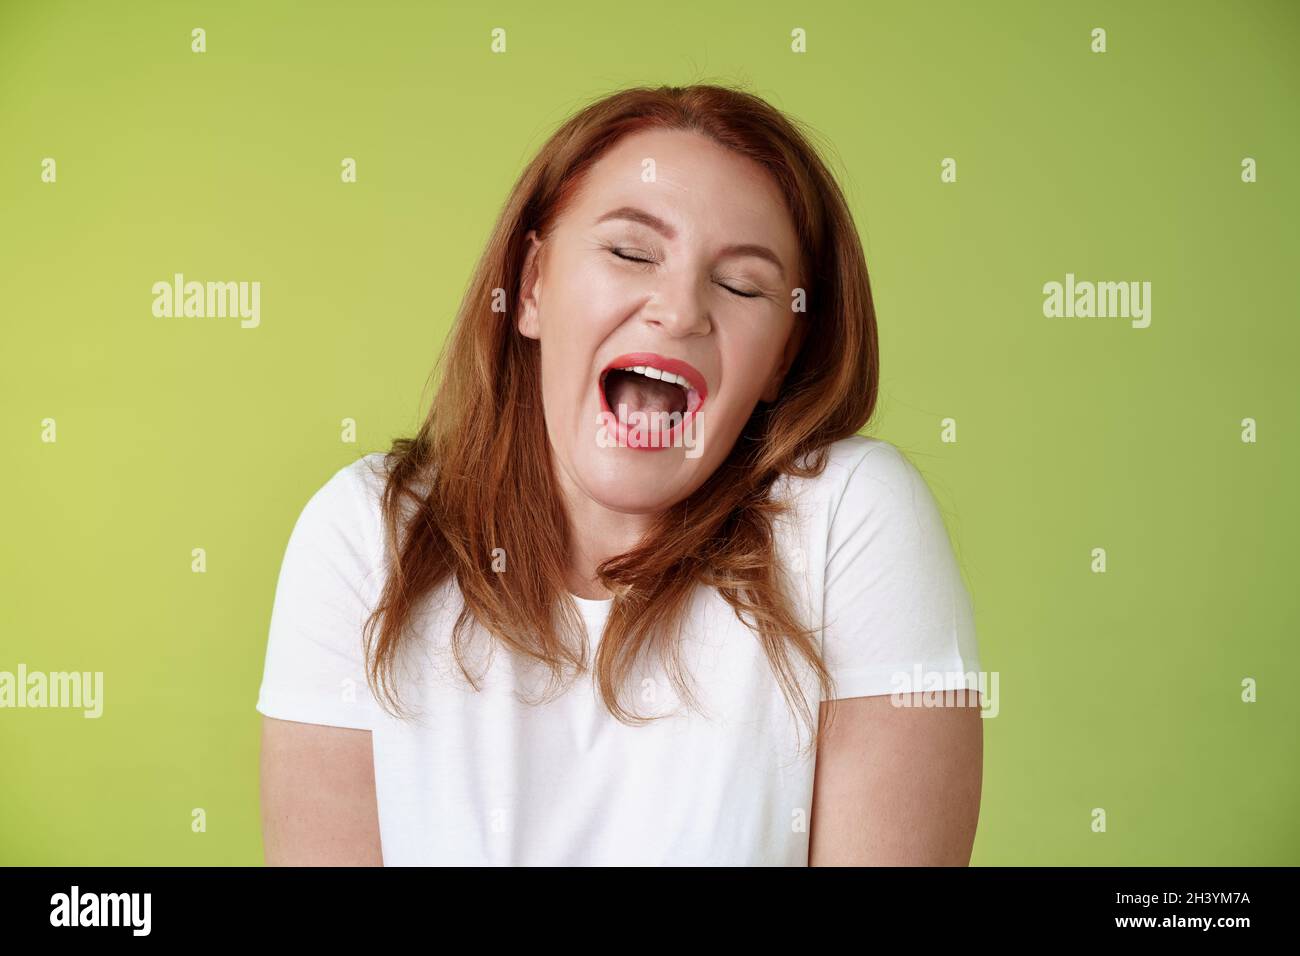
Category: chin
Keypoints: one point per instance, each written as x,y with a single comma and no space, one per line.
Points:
632,481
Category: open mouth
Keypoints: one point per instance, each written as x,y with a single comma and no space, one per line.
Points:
648,393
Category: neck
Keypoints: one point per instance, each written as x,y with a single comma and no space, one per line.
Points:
596,534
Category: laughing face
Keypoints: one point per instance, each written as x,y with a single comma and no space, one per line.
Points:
661,301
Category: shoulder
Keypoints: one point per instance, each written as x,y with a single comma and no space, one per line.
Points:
354,488
330,580
872,498
894,594
347,506
872,456
862,470
364,480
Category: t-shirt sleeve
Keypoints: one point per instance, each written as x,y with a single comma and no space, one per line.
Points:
897,614
315,661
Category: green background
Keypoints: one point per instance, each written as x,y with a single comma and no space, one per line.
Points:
1119,690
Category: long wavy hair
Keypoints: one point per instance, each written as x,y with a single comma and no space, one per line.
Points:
478,475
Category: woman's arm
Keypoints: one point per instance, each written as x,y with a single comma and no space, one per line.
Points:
897,786
318,796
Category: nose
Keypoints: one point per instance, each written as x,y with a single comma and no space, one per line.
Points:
677,306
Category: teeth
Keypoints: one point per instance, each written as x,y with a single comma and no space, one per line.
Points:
650,371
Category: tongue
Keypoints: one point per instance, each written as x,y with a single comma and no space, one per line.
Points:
641,394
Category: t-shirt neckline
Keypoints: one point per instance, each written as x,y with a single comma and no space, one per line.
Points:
592,603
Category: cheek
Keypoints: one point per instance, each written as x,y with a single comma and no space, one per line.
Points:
581,307
752,358
582,302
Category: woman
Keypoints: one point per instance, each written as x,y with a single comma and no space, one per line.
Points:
642,464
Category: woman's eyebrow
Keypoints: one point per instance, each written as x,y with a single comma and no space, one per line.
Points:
633,214
761,252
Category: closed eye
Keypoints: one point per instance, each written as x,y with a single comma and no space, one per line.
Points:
621,254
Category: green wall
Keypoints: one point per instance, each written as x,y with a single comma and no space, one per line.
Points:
1119,690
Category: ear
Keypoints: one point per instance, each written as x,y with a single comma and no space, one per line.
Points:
792,345
530,290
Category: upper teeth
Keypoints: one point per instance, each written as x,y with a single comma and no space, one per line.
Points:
651,372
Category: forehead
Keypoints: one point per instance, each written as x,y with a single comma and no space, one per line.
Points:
698,186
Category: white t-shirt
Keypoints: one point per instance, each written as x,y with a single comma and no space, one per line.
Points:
487,778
